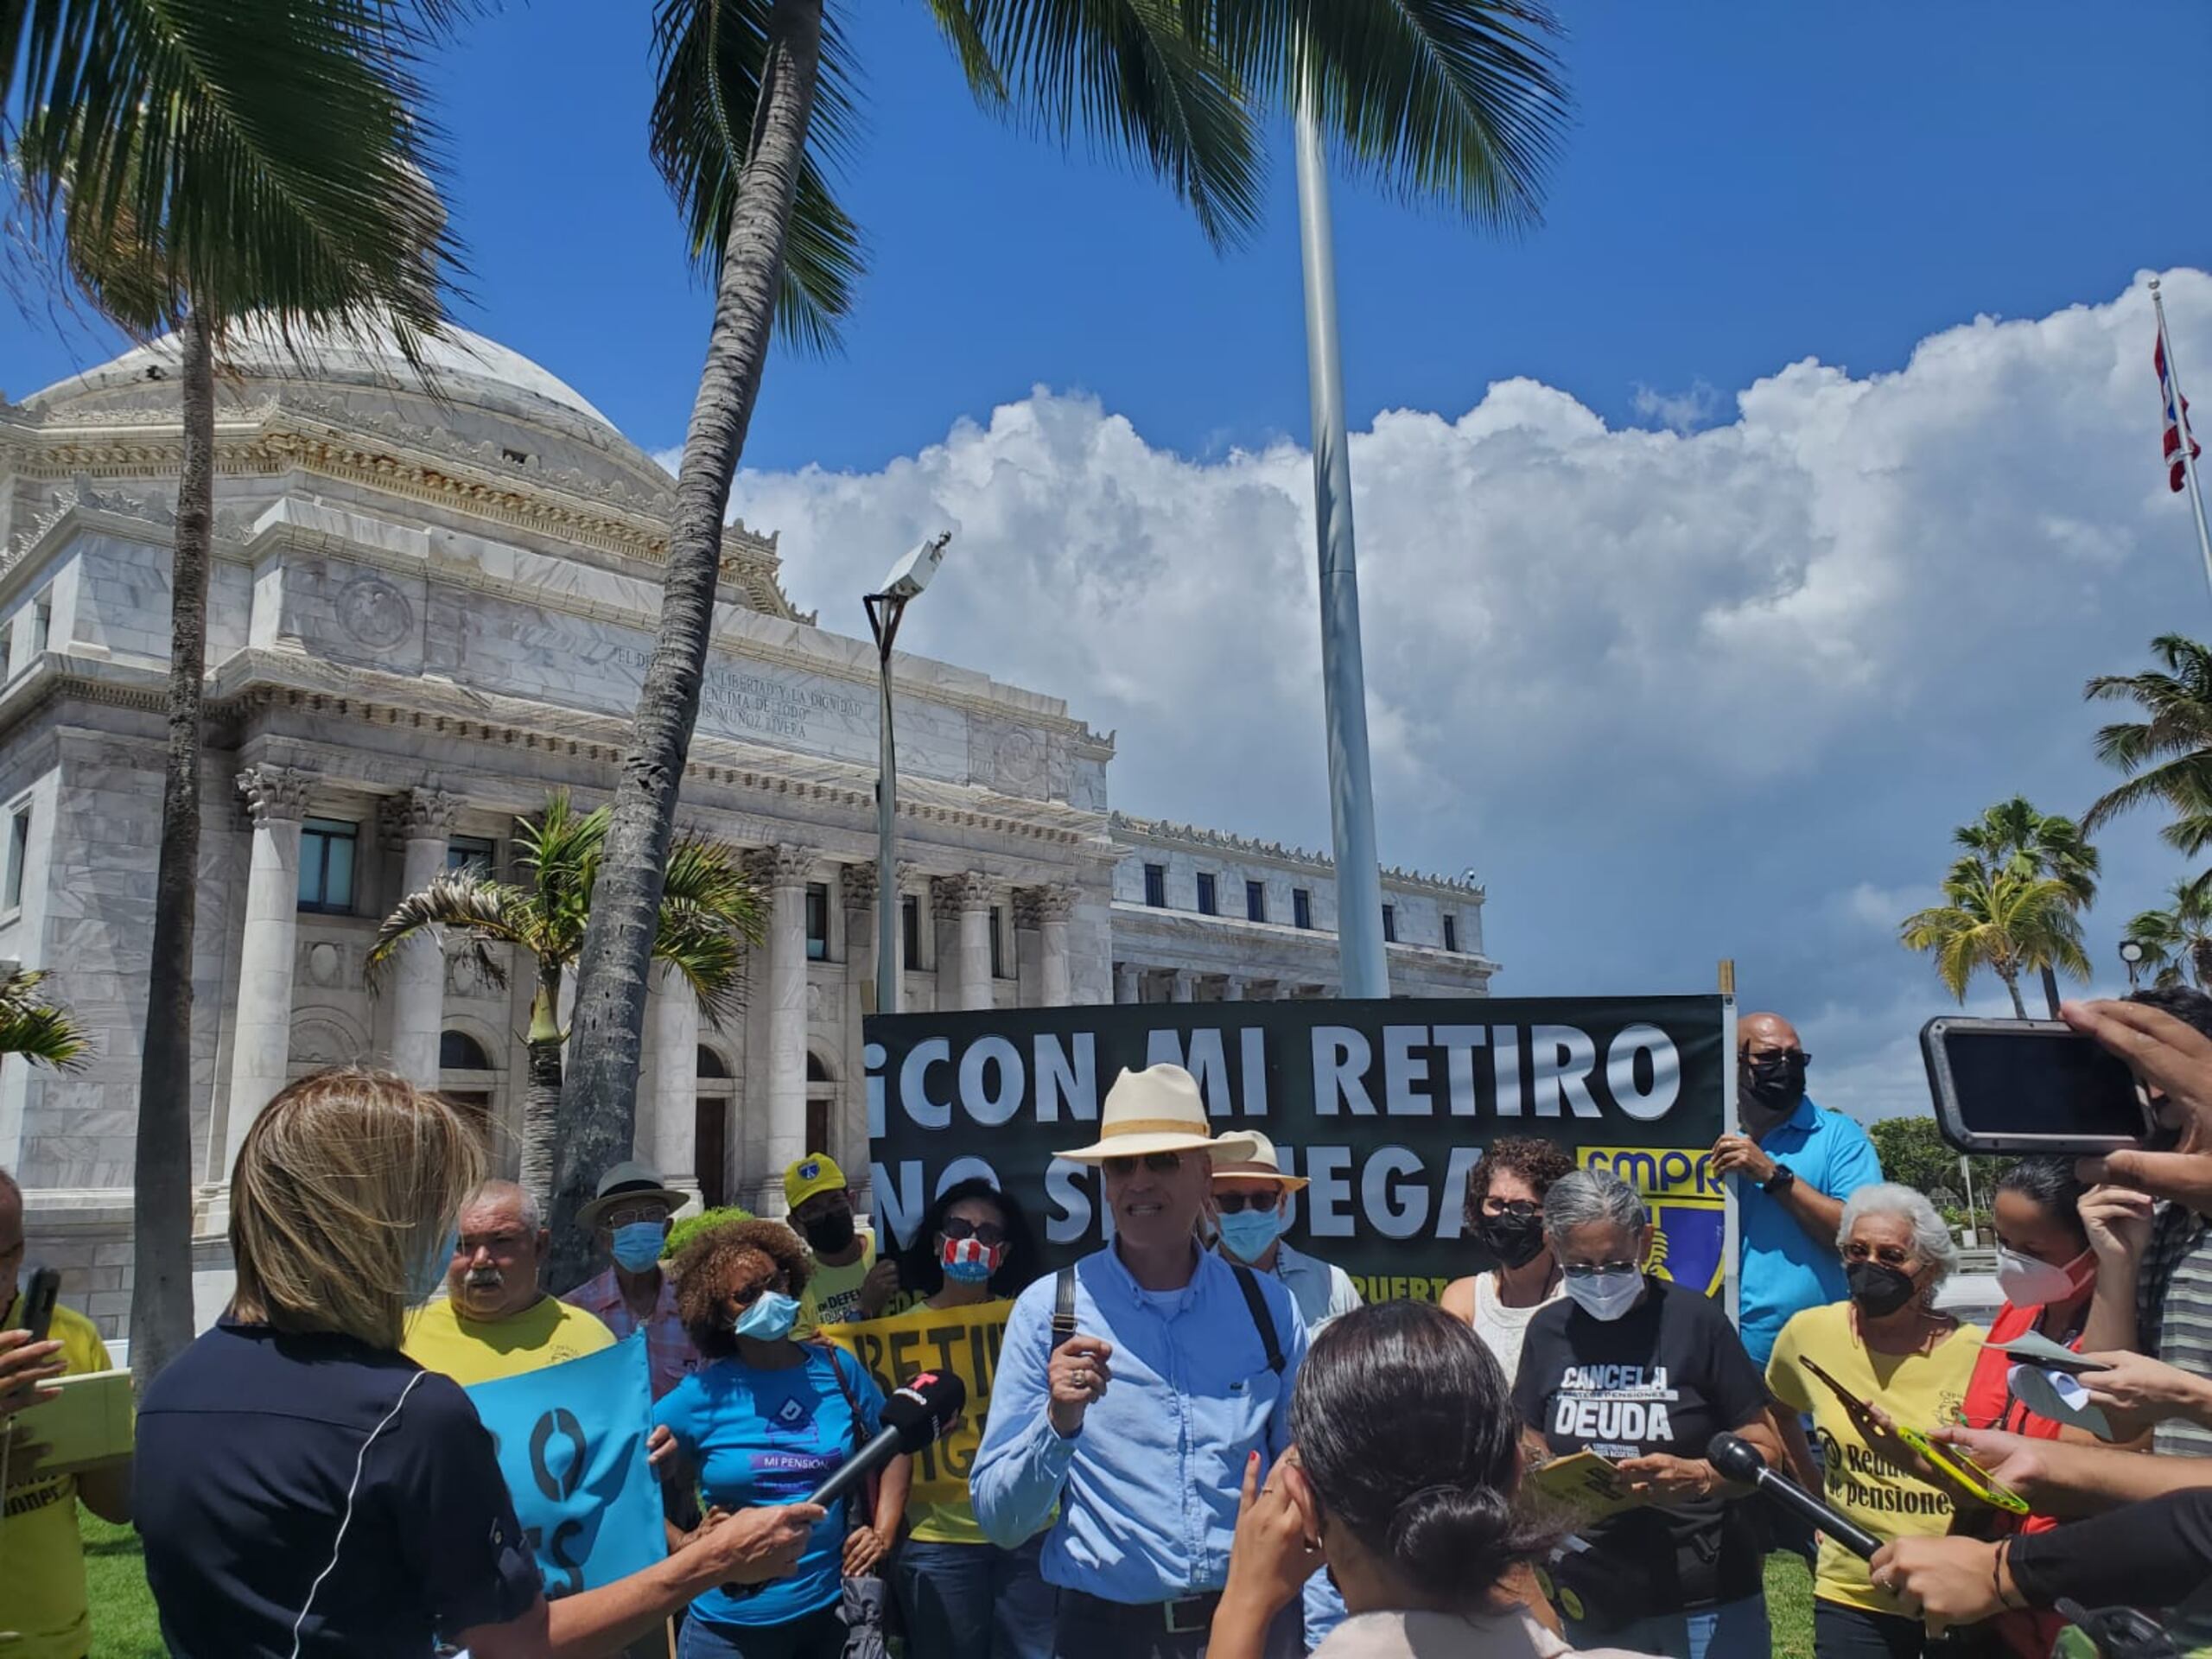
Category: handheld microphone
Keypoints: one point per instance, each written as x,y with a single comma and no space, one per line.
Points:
919,1410
1740,1461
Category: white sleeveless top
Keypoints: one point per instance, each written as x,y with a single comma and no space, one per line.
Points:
1501,1327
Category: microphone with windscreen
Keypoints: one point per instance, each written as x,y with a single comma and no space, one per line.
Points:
1740,1461
919,1409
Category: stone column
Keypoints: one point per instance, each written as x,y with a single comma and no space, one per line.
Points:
420,823
1233,989
1180,986
966,899
261,1029
1054,906
1125,982
856,886
670,1138
783,871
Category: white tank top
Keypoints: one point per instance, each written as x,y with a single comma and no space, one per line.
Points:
1502,1327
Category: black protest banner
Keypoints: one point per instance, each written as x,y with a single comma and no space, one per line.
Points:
1385,1107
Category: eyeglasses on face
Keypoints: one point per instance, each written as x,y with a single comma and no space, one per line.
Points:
1521,1207
1769,1056
1159,1163
1236,1204
747,1295
983,1232
633,1214
1890,1255
1598,1269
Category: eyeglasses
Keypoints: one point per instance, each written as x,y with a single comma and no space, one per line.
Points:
1598,1269
1888,1256
1772,1056
983,1232
1159,1163
633,1214
754,1291
1521,1207
1236,1204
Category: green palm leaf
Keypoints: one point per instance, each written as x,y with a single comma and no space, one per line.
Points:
37,1029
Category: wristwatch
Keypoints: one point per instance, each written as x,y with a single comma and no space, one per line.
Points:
1780,1182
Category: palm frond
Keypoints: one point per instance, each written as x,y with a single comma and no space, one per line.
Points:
466,902
40,1031
710,915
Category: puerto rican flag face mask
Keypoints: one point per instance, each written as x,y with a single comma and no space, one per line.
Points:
968,1261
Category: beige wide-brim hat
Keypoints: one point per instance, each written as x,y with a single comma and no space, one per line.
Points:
1158,1109
626,1183
1262,1165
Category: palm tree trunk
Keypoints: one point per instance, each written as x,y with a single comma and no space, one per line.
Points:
2012,985
541,1109
2050,990
598,1103
161,1286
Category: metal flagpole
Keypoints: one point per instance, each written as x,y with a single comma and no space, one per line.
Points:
2181,420
1362,964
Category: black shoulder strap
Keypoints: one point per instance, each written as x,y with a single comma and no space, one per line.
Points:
1064,1307
1249,1282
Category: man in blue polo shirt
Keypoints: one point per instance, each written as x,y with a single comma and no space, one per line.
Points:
1792,1168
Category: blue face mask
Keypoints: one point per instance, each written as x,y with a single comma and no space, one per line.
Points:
1249,1232
770,1319
638,1245
432,1272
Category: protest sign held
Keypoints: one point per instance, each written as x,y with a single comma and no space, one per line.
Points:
570,1440
961,1342
1384,1106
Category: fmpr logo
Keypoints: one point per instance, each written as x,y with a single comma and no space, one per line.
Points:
1688,1205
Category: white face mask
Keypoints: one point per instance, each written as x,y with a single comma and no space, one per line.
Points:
1606,1296
2027,1282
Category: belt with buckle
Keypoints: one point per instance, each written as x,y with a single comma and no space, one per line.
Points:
1185,1616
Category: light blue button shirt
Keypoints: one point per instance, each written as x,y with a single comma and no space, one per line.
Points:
1147,1488
1783,1269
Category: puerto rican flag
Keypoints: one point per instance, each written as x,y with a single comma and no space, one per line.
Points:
2177,420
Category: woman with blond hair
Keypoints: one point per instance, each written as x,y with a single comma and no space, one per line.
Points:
302,1487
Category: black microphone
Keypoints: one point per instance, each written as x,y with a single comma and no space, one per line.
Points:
1740,1461
919,1410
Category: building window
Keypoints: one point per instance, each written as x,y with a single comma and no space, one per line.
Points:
1209,897
471,855
1155,886
459,1052
1451,932
998,941
19,852
909,933
327,865
41,621
1389,923
7,655
708,1064
817,921
1256,901
1301,907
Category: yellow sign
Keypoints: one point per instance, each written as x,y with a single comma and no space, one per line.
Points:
959,1341
1688,1204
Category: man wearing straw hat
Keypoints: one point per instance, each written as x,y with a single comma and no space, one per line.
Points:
1251,1206
1135,1389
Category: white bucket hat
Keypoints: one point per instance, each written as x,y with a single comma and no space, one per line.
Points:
1262,1165
1158,1109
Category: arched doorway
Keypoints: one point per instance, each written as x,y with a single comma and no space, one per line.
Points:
466,1077
821,1104
715,1090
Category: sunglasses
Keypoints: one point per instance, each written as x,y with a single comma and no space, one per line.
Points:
1236,1204
1520,1207
1596,1269
983,1232
1159,1163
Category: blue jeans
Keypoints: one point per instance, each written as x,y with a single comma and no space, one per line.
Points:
1722,1632
817,1636
974,1601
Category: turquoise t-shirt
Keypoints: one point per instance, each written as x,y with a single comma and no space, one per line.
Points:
772,1437
1784,1269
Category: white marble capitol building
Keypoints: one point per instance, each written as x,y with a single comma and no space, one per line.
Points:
425,613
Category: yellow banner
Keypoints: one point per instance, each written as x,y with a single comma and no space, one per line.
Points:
962,1341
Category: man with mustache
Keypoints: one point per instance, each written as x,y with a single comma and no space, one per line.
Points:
495,1318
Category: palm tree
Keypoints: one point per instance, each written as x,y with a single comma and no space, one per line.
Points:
2177,941
34,1028
708,914
2168,757
2005,919
200,165
1456,100
2013,834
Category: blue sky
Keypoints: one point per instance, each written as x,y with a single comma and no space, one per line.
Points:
1675,697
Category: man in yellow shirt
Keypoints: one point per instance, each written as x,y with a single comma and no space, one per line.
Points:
495,1318
847,1283
43,1612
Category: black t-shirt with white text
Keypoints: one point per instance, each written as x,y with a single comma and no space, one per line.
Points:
1665,1377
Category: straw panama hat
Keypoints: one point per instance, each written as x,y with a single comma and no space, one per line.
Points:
627,1182
1262,1165
1158,1109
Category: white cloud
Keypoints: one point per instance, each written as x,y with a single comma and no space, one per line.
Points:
1672,693
1678,411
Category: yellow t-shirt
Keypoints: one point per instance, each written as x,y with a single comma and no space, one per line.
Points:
42,1558
441,1338
1922,1391
833,1295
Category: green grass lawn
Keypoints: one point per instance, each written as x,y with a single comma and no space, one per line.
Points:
124,1626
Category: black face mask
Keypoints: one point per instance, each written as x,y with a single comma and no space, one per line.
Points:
832,1233
1774,1084
1877,1289
1514,1240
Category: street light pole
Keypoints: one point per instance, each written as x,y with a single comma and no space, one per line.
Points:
2133,953
885,610
1362,964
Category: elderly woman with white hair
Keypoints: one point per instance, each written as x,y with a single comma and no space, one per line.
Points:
1885,1358
1645,1372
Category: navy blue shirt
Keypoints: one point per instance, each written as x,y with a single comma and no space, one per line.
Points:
248,1443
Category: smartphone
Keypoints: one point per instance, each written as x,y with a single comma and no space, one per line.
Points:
2039,1355
39,1298
2030,1086
1965,1474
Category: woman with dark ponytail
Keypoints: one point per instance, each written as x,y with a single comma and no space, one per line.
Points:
1402,1482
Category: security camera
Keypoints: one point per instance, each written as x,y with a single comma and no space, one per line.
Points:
912,574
